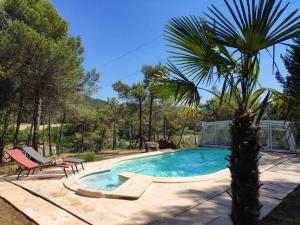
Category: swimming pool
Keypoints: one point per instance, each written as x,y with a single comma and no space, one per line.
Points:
186,163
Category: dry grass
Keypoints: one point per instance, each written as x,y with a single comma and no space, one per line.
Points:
8,168
10,215
27,125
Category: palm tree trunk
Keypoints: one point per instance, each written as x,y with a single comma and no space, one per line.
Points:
49,135
141,128
150,118
61,133
244,168
18,122
36,123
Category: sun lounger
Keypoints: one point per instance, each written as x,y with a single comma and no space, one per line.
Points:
30,165
32,153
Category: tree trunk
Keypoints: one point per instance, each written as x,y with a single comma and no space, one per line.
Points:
101,142
18,121
195,136
165,127
44,147
29,140
169,136
36,123
150,118
114,145
130,135
61,133
49,135
4,132
181,135
244,168
141,128
82,137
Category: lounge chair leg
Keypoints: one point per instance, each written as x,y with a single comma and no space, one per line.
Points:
64,169
76,168
32,171
19,173
19,168
82,166
28,173
73,170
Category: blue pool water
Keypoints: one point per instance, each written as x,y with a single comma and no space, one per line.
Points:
187,163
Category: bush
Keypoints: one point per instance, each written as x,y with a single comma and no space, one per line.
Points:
89,156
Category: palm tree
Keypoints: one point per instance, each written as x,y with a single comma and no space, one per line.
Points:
228,50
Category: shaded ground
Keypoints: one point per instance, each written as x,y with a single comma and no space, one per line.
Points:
12,216
287,212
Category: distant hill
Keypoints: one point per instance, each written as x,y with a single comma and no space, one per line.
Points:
92,102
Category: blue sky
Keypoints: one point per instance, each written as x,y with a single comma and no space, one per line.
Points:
120,36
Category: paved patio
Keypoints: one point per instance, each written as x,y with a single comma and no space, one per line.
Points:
205,202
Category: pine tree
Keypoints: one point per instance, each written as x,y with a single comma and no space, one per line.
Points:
291,84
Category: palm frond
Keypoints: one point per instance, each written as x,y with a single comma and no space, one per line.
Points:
194,52
262,108
255,26
178,85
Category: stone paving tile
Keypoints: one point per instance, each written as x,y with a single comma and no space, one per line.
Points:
269,160
279,182
149,200
97,212
222,199
268,205
287,170
222,220
36,208
202,214
273,193
147,216
295,159
6,186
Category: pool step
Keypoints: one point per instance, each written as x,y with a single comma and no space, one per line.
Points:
132,188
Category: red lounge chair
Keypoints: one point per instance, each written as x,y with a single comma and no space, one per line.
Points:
29,165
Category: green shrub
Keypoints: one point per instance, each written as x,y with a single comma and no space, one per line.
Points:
89,156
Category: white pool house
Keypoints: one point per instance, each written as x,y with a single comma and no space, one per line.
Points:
276,135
